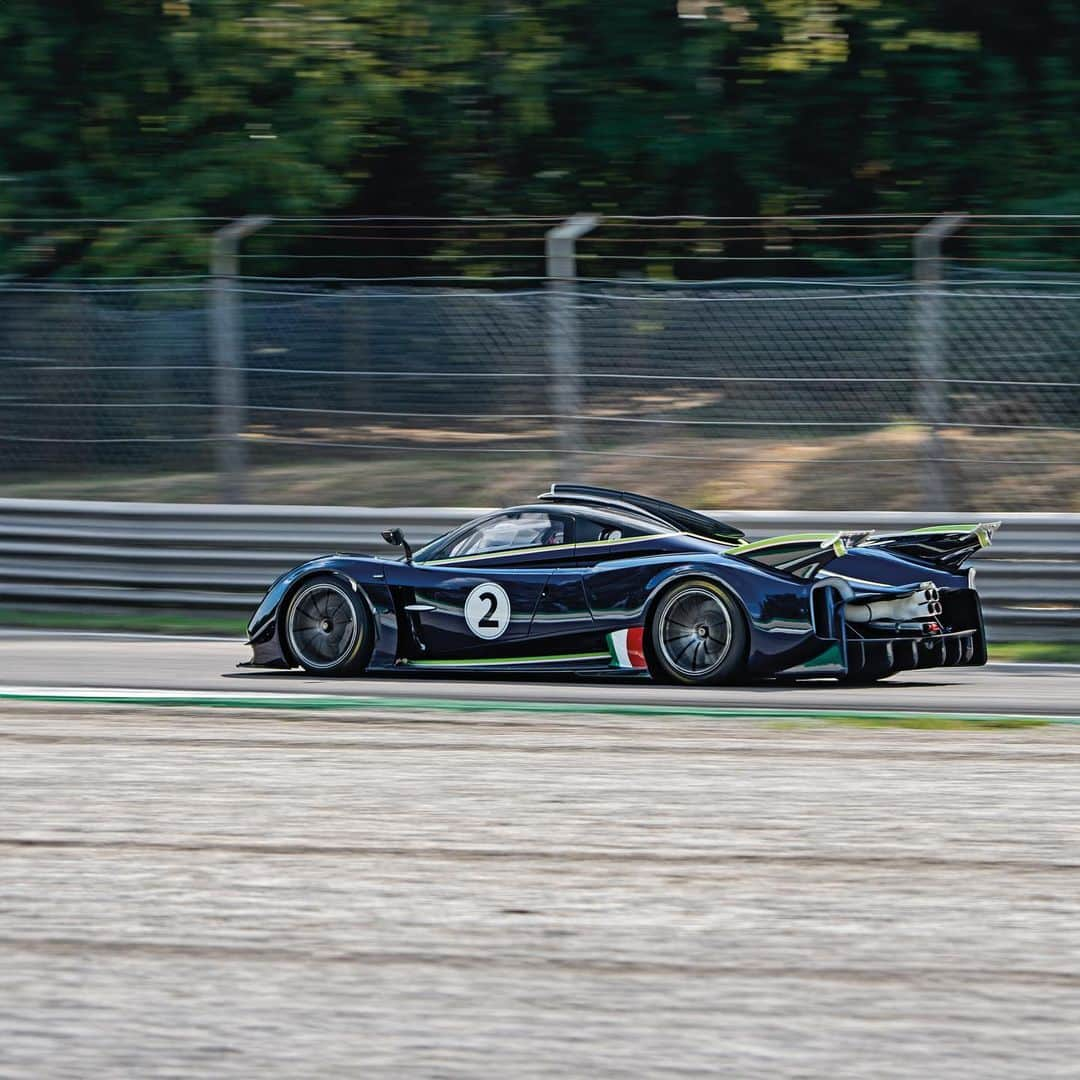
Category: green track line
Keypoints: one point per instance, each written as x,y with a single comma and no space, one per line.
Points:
321,703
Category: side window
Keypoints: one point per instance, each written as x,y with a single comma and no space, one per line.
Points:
589,529
521,530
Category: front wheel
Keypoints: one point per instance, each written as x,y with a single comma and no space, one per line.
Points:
697,635
328,628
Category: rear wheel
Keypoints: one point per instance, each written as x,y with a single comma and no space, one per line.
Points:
328,628
697,635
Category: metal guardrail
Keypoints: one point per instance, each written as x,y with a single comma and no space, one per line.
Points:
117,555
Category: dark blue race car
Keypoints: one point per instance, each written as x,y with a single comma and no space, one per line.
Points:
591,580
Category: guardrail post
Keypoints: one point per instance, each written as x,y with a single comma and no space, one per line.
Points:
227,356
564,337
930,355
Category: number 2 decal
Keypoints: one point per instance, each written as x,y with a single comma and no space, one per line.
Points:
487,620
487,610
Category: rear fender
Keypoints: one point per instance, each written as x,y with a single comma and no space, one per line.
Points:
663,582
776,608
876,569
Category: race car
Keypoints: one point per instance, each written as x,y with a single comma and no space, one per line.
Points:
592,580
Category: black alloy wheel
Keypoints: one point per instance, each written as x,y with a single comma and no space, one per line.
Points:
698,634
328,628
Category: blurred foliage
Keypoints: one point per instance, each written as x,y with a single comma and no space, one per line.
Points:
133,108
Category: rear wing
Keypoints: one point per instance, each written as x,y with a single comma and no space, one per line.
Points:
801,554
944,545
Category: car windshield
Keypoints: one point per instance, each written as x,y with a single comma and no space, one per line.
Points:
516,530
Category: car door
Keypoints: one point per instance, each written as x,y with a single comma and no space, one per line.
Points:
478,594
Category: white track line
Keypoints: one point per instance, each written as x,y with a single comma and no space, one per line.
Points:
115,635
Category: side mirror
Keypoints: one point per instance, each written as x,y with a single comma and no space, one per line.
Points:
396,538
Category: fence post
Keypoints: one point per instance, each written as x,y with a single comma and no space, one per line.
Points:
930,355
227,355
564,337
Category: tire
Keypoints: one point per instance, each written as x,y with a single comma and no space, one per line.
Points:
697,635
328,628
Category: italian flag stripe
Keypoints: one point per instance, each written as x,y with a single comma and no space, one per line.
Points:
627,648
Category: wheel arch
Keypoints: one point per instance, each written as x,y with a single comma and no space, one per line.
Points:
298,582
668,581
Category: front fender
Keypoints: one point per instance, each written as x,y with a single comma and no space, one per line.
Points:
358,575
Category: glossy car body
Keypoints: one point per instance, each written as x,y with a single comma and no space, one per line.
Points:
581,596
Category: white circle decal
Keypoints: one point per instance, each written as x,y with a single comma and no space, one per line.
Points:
487,610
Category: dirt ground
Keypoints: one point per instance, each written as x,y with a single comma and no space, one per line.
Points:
188,892
878,470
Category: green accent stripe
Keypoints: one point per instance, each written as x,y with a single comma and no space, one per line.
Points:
782,541
503,661
982,531
294,702
833,656
945,529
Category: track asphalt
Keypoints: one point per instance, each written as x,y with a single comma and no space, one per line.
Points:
106,662
636,882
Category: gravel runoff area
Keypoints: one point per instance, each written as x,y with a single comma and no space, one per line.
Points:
190,892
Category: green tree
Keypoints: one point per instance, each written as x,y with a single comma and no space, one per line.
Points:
126,108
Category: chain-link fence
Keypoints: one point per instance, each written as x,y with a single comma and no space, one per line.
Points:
751,393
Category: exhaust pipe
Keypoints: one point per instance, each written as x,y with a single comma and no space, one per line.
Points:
917,606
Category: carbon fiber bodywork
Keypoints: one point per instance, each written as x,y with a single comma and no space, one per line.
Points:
574,606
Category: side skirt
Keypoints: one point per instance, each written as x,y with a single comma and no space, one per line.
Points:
586,661
624,655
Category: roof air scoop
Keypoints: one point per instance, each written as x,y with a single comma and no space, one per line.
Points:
675,517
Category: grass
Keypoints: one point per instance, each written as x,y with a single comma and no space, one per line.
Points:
143,622
797,470
173,622
942,722
1045,652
